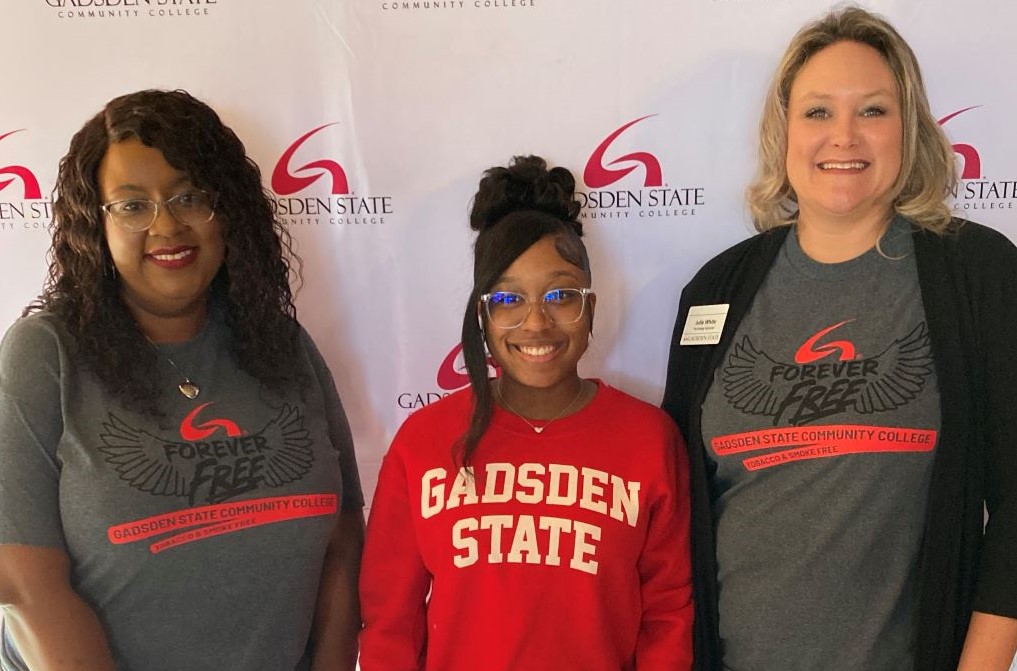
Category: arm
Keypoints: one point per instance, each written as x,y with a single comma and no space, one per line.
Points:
49,623
992,633
394,581
333,643
665,633
337,615
52,627
990,644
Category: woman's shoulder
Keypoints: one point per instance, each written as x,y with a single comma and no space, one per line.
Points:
35,334
34,350
978,246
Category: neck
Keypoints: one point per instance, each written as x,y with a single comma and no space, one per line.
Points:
829,241
540,403
167,329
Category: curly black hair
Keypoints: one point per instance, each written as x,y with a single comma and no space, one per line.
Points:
83,290
514,207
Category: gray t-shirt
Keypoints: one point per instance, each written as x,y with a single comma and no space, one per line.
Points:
197,537
821,424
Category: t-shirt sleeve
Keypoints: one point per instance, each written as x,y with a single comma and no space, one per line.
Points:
31,424
338,429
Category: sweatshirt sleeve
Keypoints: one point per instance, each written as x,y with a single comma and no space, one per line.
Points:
997,580
665,633
394,582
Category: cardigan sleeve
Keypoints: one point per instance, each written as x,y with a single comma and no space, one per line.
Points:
994,299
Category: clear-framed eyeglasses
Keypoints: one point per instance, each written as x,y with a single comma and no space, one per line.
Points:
508,309
192,208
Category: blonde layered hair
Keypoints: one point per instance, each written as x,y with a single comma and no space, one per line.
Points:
928,171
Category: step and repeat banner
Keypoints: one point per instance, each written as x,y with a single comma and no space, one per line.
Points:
372,121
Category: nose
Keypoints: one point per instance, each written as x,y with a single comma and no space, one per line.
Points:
845,131
165,224
537,318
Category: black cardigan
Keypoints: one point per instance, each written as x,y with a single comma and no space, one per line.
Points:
968,280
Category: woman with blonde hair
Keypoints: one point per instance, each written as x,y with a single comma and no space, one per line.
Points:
852,418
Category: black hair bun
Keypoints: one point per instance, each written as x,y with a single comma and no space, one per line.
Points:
526,184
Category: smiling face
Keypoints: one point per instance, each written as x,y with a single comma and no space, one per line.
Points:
844,136
164,271
539,354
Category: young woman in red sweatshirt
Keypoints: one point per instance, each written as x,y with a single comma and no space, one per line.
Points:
535,520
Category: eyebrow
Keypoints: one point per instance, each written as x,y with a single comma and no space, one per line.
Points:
508,279
183,179
828,96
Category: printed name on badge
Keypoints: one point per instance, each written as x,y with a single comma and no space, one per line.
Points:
704,324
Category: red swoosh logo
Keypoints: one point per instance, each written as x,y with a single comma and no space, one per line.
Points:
191,433
451,377
598,175
808,352
32,190
285,183
972,161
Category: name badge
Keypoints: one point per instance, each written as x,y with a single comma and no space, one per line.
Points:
705,324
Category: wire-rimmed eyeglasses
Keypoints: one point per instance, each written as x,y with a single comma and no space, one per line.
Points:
192,208
508,309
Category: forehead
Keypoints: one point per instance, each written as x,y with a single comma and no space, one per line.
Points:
130,165
541,263
844,67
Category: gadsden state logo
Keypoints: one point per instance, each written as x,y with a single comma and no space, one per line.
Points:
624,181
972,166
12,174
312,189
287,180
601,172
451,376
977,191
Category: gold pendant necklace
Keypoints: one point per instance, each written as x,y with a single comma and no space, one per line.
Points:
538,429
188,388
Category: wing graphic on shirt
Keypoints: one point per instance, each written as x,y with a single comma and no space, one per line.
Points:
142,459
747,384
166,467
903,369
756,384
293,457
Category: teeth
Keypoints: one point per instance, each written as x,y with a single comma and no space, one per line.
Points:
535,350
853,165
173,257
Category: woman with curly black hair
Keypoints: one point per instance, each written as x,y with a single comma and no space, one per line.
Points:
178,488
537,520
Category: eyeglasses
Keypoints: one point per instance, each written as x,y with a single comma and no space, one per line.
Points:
192,208
508,309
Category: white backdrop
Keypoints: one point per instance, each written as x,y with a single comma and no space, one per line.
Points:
408,102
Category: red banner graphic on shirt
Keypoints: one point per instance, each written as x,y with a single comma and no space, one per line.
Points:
817,442
222,518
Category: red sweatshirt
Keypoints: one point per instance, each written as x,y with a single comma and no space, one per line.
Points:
568,550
